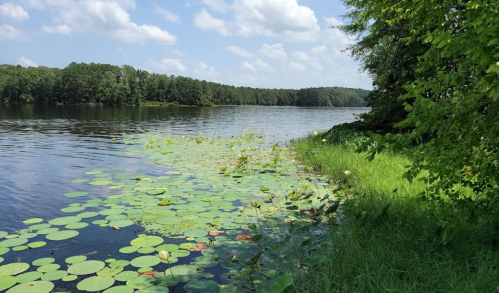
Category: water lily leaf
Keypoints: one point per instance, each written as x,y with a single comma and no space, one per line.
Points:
69,278
72,209
76,259
145,261
126,276
243,236
119,263
54,275
314,260
62,221
32,221
141,282
43,261
281,283
128,249
48,268
109,272
95,284
13,269
333,208
147,241
12,242
33,287
7,281
165,203
86,267
47,231
36,244
152,289
29,277
121,223
146,250
201,286
62,235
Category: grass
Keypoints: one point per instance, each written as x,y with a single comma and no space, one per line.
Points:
415,246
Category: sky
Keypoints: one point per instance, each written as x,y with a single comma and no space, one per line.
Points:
257,43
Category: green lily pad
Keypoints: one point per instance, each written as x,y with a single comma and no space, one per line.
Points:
43,261
128,249
3,234
13,242
47,231
152,289
29,277
39,226
146,250
187,245
109,272
76,259
75,194
33,287
119,263
32,221
7,281
121,289
13,269
180,253
62,221
4,250
62,235
141,282
48,268
121,223
72,209
36,244
201,286
79,225
19,248
86,215
145,261
80,180
95,284
54,275
126,276
147,241
69,278
86,267
167,247
28,235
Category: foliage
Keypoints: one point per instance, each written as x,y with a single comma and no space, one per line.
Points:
105,84
386,239
453,100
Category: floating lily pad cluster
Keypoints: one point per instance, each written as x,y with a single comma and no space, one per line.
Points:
234,203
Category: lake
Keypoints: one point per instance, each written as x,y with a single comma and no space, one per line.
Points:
45,150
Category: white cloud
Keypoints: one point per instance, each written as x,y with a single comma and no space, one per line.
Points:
296,66
203,69
8,32
301,56
178,52
205,21
316,66
107,18
167,14
263,66
36,4
168,65
274,51
26,62
284,19
15,12
216,5
319,50
239,51
248,67
58,29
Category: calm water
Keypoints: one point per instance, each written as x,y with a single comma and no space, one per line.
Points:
42,149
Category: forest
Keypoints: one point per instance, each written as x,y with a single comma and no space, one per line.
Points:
104,84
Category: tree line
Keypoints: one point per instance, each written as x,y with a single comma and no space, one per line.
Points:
104,84
435,73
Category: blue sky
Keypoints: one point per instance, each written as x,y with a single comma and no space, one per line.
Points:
257,43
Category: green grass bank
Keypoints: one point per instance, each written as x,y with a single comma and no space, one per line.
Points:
385,237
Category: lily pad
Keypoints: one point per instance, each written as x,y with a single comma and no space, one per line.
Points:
147,241
95,284
33,287
7,281
145,261
121,289
141,282
69,278
13,269
36,244
201,286
32,221
62,221
54,275
43,261
72,209
29,277
86,267
62,235
13,242
4,250
128,249
126,276
76,259
79,225
49,268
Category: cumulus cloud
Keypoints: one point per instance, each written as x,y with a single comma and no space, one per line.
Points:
202,69
15,12
167,14
278,18
168,65
23,61
296,66
239,51
263,66
246,66
274,51
58,29
8,32
107,18
301,56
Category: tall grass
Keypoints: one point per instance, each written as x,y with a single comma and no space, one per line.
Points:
414,246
